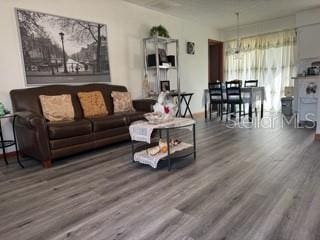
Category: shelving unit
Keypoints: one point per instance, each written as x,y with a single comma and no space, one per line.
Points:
152,45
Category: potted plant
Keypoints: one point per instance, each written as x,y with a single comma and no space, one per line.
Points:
160,31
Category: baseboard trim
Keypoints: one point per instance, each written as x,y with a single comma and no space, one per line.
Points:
317,137
198,114
9,154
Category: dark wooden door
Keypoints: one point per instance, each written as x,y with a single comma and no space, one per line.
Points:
215,61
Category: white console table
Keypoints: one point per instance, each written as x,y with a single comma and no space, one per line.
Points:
307,99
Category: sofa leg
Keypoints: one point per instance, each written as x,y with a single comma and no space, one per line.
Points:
46,163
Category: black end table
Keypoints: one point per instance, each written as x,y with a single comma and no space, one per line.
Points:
186,98
8,143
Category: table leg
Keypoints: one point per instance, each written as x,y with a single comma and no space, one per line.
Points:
187,102
4,154
15,142
2,145
233,111
205,109
250,112
132,150
194,141
168,146
189,106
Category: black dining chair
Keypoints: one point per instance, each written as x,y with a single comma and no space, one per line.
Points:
252,83
216,98
234,97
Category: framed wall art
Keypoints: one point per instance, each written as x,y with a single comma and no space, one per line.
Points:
165,86
190,48
62,50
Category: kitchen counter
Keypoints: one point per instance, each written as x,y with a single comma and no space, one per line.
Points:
317,77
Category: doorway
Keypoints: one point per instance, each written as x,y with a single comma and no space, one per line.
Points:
215,49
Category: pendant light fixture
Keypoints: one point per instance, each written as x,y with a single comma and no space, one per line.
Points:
237,50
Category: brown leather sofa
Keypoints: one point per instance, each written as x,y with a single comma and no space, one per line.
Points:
47,141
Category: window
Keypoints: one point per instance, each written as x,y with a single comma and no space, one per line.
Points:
269,58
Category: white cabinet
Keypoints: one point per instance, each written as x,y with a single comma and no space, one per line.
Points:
308,42
307,97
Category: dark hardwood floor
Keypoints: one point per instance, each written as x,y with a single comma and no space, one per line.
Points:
246,184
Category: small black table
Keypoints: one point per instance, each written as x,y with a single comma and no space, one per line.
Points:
8,143
186,98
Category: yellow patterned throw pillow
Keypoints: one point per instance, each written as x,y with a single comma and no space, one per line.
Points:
92,104
57,108
122,101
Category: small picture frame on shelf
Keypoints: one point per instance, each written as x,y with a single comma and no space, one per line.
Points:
162,55
165,86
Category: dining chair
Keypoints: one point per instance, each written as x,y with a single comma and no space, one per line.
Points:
252,83
234,97
216,98
235,82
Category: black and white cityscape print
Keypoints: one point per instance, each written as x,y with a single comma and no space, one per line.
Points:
62,50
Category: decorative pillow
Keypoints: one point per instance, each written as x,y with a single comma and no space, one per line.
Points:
57,108
122,101
92,104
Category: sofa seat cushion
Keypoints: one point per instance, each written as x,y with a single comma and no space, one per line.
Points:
71,141
133,116
66,129
108,122
111,133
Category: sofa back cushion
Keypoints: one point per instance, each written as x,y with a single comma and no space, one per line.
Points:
57,108
27,99
92,104
122,101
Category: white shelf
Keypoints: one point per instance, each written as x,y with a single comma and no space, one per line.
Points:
144,158
160,40
161,67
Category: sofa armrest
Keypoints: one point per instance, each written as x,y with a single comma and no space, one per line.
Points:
30,119
144,105
32,135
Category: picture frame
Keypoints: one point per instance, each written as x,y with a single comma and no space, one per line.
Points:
191,48
57,49
164,86
162,55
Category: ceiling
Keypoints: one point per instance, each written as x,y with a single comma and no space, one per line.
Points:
221,13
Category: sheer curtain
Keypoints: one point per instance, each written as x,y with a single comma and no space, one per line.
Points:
269,58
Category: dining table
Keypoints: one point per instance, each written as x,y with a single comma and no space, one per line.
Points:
252,95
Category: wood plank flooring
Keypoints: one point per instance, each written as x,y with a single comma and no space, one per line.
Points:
246,184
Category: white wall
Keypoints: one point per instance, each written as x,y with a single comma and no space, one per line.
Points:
127,25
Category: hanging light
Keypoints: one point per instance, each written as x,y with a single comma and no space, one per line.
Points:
237,50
